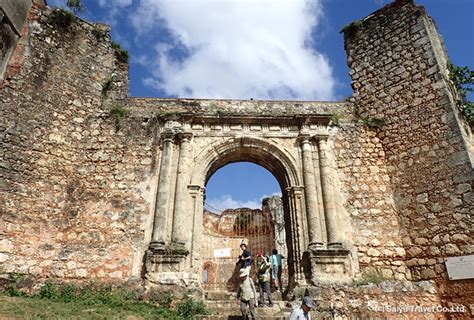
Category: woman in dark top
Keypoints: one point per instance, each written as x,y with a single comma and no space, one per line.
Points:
245,258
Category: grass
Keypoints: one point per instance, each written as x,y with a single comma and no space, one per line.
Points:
93,300
36,308
374,276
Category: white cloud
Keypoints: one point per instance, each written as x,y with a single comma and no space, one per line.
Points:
115,3
114,9
226,202
244,49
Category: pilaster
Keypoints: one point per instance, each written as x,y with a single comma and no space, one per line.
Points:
162,196
331,215
311,197
179,232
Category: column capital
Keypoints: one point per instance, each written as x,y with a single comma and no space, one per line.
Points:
295,190
321,137
168,135
196,189
304,138
185,136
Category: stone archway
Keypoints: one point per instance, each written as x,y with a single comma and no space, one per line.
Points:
282,166
294,149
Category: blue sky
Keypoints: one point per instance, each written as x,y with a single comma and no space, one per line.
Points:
261,49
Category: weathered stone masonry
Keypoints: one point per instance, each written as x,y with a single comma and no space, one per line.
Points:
82,200
398,66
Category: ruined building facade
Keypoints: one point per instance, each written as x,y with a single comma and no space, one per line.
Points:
89,191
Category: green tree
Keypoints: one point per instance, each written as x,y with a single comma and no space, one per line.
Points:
76,6
463,80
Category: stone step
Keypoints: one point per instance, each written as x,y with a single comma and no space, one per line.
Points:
233,308
238,317
217,303
219,295
225,295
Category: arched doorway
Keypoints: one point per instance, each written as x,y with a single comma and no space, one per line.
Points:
282,167
243,201
294,149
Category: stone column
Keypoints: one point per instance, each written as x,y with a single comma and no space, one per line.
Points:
317,176
311,196
295,206
181,227
197,193
163,193
334,239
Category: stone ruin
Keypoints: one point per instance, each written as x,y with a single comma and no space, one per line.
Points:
264,230
96,184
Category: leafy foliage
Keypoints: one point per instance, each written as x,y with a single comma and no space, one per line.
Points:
335,118
50,290
12,289
76,6
118,113
189,308
107,85
121,54
163,298
62,18
463,80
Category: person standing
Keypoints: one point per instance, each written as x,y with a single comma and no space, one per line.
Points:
276,269
263,274
245,258
303,312
247,294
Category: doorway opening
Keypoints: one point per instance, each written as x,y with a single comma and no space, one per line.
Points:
243,201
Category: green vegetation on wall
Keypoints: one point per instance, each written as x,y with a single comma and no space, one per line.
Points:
351,29
372,122
121,54
62,19
463,81
118,112
76,6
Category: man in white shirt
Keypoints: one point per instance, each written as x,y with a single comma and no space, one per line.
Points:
247,295
302,313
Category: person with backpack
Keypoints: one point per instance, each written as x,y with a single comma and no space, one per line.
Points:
263,275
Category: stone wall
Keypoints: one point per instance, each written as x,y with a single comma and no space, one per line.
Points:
398,69
75,194
365,183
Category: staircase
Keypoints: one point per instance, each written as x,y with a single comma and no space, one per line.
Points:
224,305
